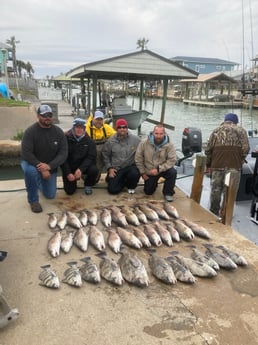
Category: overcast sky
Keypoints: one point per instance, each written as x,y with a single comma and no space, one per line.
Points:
58,35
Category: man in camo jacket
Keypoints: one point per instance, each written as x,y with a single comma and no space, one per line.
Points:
226,150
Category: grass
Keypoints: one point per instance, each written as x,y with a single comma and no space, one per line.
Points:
5,102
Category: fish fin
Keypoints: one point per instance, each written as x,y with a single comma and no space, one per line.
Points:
45,266
207,245
71,263
174,252
86,259
101,254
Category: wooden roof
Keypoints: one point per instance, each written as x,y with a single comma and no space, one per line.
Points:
140,65
216,76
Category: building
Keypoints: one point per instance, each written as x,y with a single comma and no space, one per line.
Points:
5,59
204,65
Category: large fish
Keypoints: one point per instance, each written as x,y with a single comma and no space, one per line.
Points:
96,238
73,220
129,238
161,269
81,239
83,217
52,220
114,241
62,221
54,244
152,235
184,231
222,260
173,232
110,270
197,268
140,215
89,271
48,277
181,272
92,217
201,257
118,217
133,269
163,233
139,233
237,258
160,210
130,216
197,229
171,210
72,275
105,217
149,213
67,241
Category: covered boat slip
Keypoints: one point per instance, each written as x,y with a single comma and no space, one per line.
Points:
221,310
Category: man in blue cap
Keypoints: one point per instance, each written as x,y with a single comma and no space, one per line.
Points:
226,150
81,160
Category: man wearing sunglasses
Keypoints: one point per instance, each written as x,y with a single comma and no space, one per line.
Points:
43,150
118,154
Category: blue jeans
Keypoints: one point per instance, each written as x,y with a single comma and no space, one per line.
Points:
34,182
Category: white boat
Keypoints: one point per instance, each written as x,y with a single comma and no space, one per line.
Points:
121,110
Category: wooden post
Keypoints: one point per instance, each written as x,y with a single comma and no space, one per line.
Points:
198,177
229,197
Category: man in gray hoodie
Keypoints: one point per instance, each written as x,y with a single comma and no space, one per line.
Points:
155,157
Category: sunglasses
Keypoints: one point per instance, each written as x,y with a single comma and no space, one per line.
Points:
121,127
46,115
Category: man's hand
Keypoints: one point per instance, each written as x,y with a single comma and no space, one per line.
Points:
77,174
153,172
70,177
145,176
43,167
112,172
45,174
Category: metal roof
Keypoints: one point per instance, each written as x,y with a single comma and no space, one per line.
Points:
203,60
140,65
216,76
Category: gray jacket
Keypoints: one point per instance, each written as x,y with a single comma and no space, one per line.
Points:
119,152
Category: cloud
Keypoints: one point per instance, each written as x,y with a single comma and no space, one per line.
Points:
57,36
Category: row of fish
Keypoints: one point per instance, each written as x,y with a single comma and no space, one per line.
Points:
146,235
129,267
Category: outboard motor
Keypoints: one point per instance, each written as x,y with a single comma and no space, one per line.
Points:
191,141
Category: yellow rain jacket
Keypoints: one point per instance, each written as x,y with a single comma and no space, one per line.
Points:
99,135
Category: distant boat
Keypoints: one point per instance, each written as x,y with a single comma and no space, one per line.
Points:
121,110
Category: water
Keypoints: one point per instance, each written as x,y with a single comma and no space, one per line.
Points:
181,115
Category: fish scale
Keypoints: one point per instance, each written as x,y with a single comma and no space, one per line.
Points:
49,278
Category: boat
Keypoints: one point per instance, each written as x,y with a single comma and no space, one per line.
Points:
121,110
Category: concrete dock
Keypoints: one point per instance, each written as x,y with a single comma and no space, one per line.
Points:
218,311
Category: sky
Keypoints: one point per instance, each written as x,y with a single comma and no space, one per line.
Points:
56,36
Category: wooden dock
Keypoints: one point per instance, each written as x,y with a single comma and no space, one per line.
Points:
213,104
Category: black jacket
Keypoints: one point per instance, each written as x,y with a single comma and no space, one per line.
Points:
81,154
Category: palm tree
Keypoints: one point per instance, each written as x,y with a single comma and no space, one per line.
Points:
29,68
142,43
20,66
12,42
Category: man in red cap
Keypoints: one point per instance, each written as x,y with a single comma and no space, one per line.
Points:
118,154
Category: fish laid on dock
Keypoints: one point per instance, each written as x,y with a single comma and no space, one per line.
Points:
133,269
73,220
89,271
96,238
140,215
202,257
52,220
197,229
237,258
222,260
72,275
54,244
62,221
152,235
118,217
129,238
182,273
139,233
81,239
105,217
67,241
130,216
173,232
159,210
114,241
49,278
83,218
184,231
161,269
149,212
92,217
171,210
197,268
163,233
110,270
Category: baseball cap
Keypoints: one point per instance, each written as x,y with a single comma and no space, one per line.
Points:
121,122
98,114
231,117
44,109
79,122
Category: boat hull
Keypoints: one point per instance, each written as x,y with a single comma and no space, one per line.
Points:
134,118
